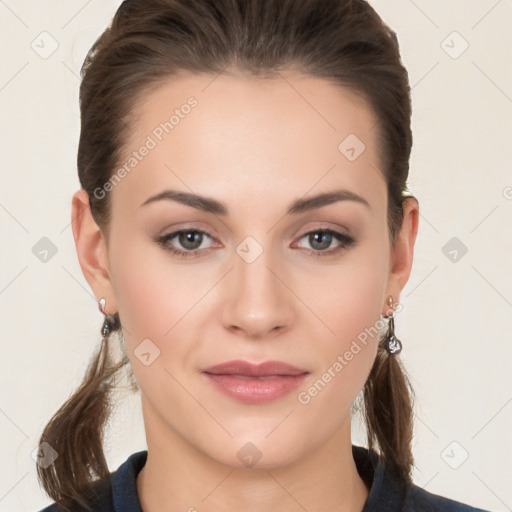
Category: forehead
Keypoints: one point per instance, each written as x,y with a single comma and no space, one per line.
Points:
235,134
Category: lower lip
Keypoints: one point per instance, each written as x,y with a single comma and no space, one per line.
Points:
253,390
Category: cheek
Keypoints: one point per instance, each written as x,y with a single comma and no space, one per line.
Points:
143,292
150,303
158,299
352,298
148,286
351,307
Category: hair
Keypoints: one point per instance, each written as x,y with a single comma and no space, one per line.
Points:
144,46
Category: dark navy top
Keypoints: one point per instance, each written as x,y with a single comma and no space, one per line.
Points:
388,493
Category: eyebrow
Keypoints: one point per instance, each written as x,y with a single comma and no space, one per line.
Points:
210,205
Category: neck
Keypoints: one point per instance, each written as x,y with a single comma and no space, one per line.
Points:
177,476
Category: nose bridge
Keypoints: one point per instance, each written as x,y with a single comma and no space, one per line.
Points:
259,301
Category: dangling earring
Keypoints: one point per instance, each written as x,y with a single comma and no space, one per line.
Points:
109,324
391,343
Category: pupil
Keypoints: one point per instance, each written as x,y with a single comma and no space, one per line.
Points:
320,237
189,238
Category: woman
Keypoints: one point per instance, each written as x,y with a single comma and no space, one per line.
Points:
244,223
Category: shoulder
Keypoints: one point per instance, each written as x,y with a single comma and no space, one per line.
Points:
389,492
49,508
418,499
97,499
54,508
118,491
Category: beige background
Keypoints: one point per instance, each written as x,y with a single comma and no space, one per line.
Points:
456,321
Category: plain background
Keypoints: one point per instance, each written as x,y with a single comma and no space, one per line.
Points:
457,314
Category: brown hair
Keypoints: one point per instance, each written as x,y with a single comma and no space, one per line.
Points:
149,41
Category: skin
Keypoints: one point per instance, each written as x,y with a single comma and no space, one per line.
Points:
256,145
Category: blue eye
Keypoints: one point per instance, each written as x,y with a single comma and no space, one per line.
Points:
186,240
191,240
324,238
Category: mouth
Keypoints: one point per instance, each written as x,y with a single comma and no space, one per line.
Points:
244,368
255,383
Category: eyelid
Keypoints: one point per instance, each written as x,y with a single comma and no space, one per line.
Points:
344,240
172,234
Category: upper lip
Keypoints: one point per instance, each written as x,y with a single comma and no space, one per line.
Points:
267,368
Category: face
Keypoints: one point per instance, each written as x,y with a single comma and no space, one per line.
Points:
248,279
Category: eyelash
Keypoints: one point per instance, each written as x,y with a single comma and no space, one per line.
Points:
345,240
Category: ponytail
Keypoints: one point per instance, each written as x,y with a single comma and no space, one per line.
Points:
388,399
76,431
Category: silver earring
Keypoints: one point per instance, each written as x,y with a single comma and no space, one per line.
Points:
391,343
109,321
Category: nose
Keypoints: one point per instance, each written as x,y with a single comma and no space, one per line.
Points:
258,301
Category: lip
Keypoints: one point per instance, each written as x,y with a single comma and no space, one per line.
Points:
255,383
265,369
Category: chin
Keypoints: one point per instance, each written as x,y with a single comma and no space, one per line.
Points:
254,452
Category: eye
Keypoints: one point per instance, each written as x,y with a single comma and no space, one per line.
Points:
321,239
190,239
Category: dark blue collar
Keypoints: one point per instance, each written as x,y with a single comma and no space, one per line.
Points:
386,490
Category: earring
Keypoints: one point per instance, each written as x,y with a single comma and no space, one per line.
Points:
391,343
109,321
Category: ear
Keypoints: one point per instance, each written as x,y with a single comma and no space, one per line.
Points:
91,249
402,252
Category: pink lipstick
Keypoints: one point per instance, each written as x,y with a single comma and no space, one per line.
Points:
255,383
